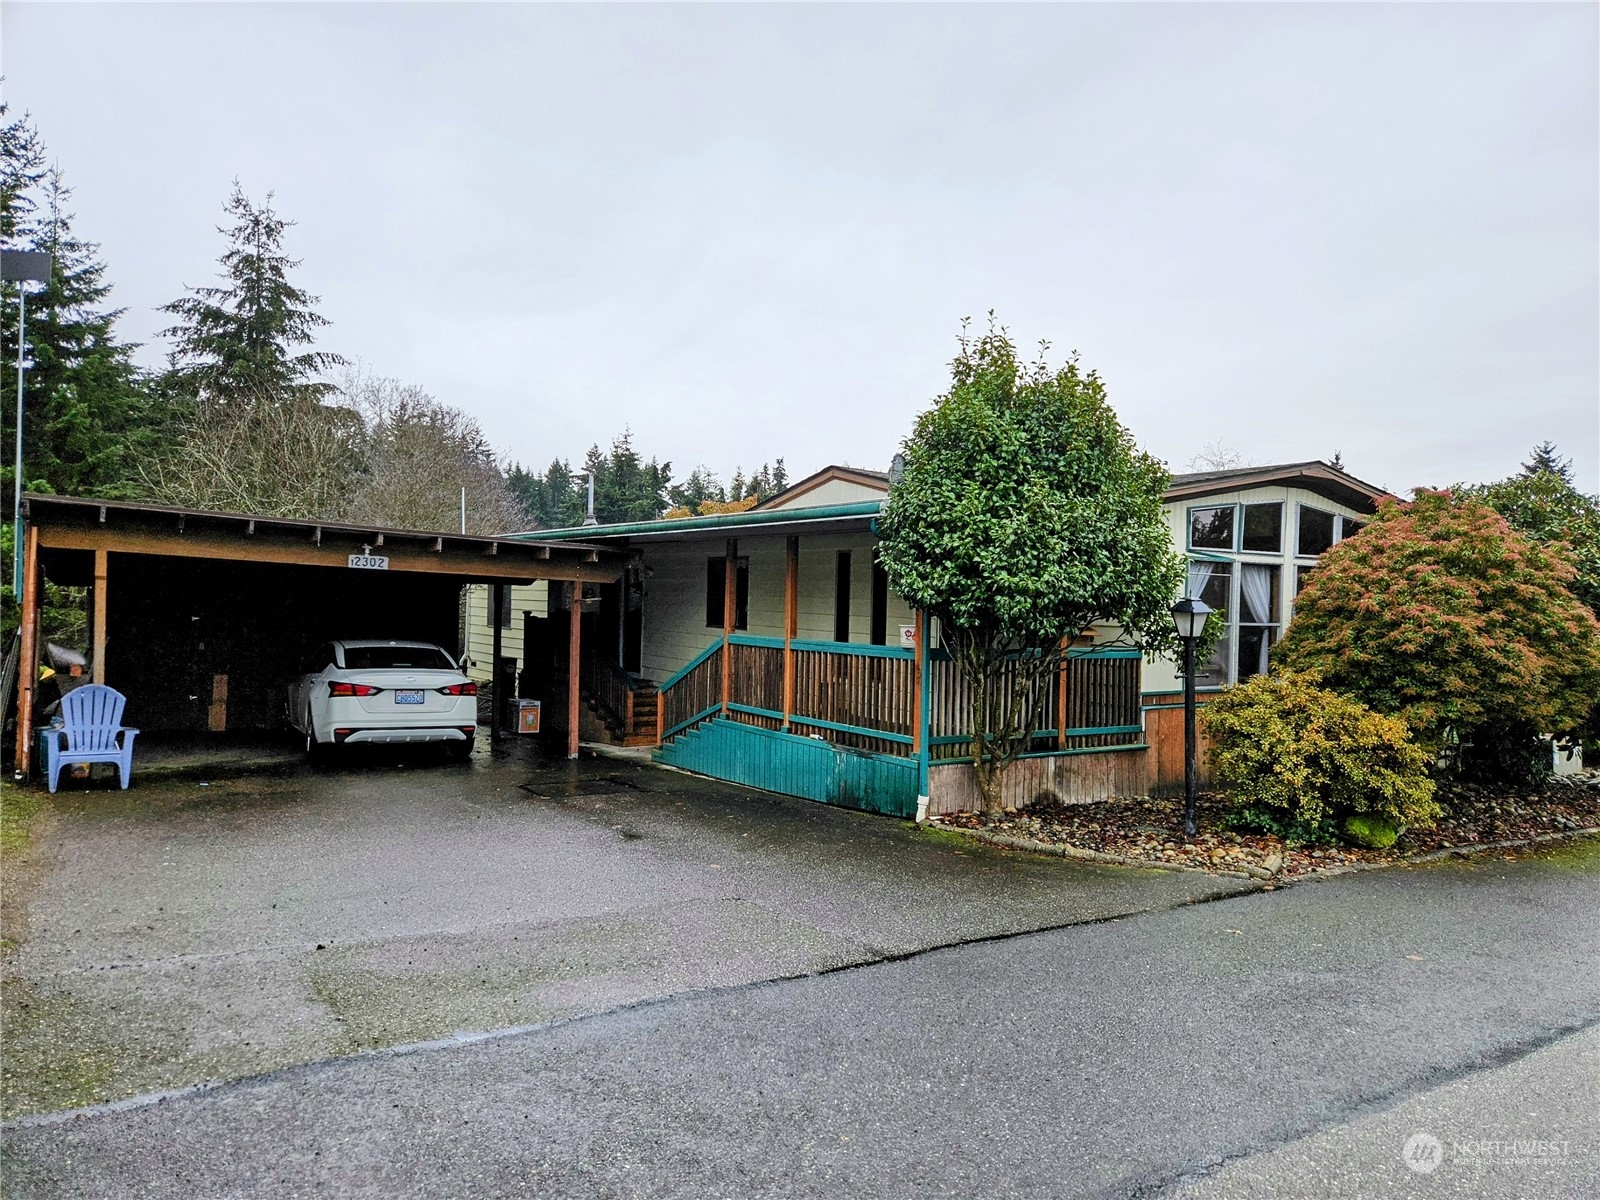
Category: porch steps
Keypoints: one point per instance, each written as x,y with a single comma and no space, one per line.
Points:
642,731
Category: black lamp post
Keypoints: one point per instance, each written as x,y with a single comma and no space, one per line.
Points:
23,266
1189,615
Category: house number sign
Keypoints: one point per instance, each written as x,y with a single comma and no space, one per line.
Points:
369,562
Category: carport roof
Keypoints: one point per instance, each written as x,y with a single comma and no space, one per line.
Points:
136,527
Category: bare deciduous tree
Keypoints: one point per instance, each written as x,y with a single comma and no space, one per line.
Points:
419,454
268,453
1217,455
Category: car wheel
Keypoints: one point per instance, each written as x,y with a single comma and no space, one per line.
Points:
314,748
459,751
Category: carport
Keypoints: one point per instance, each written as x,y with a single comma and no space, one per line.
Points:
201,618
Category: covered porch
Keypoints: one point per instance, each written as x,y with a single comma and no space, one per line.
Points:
873,718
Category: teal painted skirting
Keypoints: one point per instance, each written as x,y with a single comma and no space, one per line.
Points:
796,766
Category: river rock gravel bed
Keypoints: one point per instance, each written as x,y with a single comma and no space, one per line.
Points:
1151,830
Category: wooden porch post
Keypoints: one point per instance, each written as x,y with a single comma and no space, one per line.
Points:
574,633
791,620
28,662
98,646
730,613
1061,699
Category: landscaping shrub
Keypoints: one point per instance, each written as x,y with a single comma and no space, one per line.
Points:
1441,613
1300,761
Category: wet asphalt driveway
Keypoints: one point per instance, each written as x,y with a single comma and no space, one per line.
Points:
193,929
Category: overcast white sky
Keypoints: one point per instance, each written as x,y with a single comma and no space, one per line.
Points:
752,231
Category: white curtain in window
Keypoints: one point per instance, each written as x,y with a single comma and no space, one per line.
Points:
1255,585
1199,572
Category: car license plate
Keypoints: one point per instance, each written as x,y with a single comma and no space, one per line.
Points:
408,696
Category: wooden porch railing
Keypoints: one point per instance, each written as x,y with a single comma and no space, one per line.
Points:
1099,688
693,694
865,696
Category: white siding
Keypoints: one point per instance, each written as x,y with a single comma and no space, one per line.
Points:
675,628
834,491
530,597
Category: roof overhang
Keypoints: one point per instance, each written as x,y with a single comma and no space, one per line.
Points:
123,527
1316,477
833,517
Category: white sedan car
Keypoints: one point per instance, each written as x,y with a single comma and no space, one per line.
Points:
354,693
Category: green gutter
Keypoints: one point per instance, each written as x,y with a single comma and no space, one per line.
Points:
781,516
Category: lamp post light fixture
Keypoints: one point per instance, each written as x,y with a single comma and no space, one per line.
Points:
1189,616
22,266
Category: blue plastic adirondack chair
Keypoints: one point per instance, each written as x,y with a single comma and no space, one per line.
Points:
90,731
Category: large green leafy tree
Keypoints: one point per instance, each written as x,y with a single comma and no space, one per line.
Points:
1025,515
1442,613
255,335
1543,504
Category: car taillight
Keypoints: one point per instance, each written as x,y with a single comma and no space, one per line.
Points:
459,689
353,689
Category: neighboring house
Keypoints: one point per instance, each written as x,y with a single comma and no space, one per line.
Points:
801,671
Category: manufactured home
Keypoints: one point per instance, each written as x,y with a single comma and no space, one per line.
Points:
766,647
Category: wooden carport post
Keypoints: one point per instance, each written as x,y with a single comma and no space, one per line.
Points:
574,667
498,705
730,603
28,658
791,620
97,647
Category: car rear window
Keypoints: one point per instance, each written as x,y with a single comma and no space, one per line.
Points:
387,658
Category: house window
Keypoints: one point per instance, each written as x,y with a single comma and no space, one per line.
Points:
1258,617
1212,582
1211,528
502,595
878,633
716,583
1263,528
1316,531
1349,527
1300,573
841,597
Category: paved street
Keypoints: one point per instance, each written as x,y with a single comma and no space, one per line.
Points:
197,929
1275,1044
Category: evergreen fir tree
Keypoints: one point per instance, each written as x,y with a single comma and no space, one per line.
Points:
1545,460
87,413
22,168
700,486
248,339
